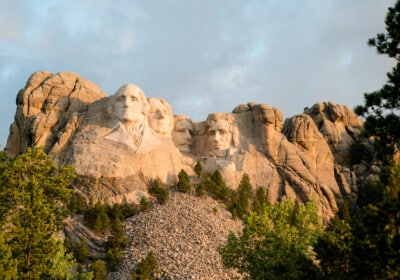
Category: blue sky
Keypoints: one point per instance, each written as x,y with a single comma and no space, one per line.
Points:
201,56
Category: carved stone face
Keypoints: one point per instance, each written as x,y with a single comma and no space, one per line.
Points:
219,135
182,135
160,117
128,104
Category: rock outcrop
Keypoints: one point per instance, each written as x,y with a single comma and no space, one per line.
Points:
118,143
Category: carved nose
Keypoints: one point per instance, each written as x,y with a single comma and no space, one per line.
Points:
159,114
187,135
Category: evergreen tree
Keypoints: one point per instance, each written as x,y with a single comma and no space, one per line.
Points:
376,248
381,107
82,251
158,191
260,200
198,168
218,187
273,245
183,184
144,204
334,247
99,270
118,237
128,210
244,195
33,192
8,265
146,268
114,257
102,222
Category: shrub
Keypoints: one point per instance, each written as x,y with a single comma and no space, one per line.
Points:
160,193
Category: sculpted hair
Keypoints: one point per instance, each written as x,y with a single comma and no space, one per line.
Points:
151,100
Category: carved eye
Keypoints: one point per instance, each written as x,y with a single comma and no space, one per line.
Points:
134,98
121,98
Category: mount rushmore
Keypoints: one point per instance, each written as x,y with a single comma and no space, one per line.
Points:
118,143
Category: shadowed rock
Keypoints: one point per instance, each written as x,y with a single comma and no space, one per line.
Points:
118,143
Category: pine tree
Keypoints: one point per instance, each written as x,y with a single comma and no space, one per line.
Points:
381,107
334,247
146,268
144,204
8,265
244,195
99,270
260,200
33,192
198,168
183,184
158,191
219,189
376,248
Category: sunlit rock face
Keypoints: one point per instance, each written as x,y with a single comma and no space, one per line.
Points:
118,143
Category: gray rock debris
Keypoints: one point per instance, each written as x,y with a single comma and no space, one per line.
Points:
184,235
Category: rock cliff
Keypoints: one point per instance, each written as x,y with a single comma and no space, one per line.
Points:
117,143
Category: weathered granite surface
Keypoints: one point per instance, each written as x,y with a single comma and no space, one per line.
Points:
117,143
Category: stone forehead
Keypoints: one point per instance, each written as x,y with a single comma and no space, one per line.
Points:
183,124
128,89
220,124
156,102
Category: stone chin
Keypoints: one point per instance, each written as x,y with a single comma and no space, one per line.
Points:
128,117
186,148
163,127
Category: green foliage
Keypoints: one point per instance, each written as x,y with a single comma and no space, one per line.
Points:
183,184
33,192
115,242
275,244
81,251
377,235
77,204
198,168
145,204
200,189
334,250
146,268
128,210
96,218
160,193
361,151
260,200
118,237
114,257
381,107
217,187
99,270
241,200
8,265
61,265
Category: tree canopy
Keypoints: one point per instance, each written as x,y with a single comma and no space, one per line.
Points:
33,192
381,108
275,243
